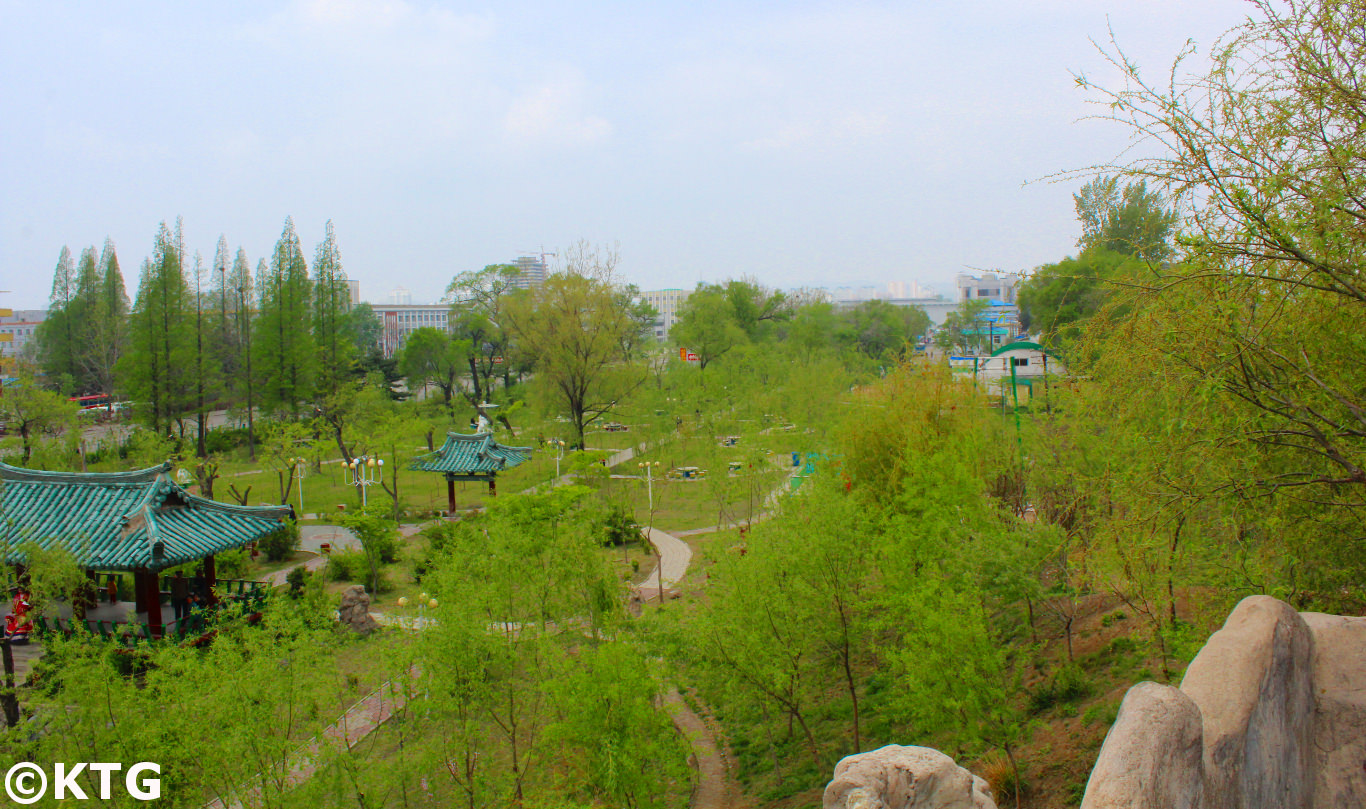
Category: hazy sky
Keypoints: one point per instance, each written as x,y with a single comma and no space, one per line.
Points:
803,143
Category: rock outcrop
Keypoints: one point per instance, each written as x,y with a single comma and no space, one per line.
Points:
1272,712
355,610
896,777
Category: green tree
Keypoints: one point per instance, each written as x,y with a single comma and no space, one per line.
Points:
285,352
579,327
965,327
477,318
878,327
707,325
106,332
161,337
1132,220
430,356
331,301
33,412
56,335
1058,299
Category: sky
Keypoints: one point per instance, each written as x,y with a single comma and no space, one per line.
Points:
797,143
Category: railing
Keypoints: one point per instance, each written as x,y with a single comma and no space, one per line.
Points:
251,595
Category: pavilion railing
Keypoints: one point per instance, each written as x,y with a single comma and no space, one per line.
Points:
195,624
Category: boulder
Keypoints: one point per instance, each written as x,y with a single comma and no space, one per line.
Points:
896,777
354,611
1151,758
1340,697
1252,682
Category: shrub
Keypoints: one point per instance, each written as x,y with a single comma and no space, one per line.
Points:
348,566
295,579
232,564
617,527
279,544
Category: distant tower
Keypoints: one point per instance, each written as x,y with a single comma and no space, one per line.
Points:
530,271
401,297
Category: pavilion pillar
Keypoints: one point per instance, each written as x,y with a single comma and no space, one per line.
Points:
148,591
493,487
450,497
210,577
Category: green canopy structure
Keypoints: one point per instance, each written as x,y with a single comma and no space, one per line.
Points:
140,521
467,458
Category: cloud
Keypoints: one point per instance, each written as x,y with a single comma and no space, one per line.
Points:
552,113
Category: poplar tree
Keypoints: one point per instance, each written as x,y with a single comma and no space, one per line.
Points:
285,352
107,332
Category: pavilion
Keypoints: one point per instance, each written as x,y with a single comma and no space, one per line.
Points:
141,522
467,458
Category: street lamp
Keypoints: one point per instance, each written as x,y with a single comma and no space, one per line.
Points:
649,467
558,443
299,469
366,471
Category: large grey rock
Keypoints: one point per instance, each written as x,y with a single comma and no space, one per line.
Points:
1151,758
1252,682
1280,700
355,610
896,777
1340,723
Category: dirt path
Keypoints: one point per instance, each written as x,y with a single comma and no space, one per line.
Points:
715,787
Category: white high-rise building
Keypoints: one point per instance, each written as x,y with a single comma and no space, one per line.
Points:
530,272
666,302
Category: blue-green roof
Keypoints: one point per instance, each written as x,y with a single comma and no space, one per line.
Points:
122,520
471,455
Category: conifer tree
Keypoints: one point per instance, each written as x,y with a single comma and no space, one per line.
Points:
161,341
54,335
106,332
331,300
284,346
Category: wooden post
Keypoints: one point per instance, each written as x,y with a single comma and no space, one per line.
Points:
148,587
210,576
450,497
8,700
493,487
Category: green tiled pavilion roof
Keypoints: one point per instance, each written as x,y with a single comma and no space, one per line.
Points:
122,520
470,455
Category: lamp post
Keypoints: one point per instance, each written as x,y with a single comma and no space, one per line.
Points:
559,455
300,468
649,467
365,472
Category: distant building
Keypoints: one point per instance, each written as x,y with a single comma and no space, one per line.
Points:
21,326
530,272
353,290
399,321
400,297
989,286
666,303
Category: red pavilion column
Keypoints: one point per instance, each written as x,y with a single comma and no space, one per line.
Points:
450,497
149,599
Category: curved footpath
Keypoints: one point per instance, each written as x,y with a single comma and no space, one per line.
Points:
715,785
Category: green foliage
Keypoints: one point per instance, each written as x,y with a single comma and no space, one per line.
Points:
161,340
233,564
285,353
1133,221
379,539
618,527
280,543
1058,300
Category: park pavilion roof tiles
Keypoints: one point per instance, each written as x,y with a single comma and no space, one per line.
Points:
122,520
470,455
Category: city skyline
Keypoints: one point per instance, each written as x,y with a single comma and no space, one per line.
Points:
806,144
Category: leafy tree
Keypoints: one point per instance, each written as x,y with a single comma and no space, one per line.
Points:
478,303
378,536
32,411
707,325
1057,299
877,327
429,355
1132,220
964,327
285,351
580,328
